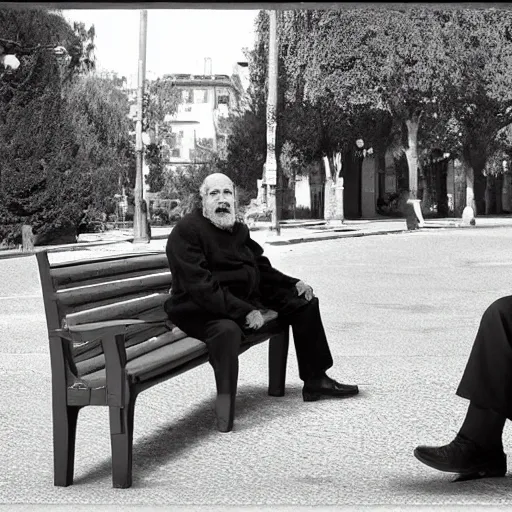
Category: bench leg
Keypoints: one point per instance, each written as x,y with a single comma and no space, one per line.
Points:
121,440
277,359
64,436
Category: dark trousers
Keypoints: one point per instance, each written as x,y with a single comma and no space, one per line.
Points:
224,337
487,379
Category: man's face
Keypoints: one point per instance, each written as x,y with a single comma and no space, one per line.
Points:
219,202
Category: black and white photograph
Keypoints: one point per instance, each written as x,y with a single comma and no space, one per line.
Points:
255,256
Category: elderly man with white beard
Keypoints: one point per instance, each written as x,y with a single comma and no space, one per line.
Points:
224,287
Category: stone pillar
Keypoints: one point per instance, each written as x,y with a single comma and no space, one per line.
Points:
339,214
27,238
413,215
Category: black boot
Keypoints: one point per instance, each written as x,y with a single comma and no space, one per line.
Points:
465,457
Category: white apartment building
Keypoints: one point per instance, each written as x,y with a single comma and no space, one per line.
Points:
205,100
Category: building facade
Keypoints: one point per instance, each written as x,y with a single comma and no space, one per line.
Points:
205,103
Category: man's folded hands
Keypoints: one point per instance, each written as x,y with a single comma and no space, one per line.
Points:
256,318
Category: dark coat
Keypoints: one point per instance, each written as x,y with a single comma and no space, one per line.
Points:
222,274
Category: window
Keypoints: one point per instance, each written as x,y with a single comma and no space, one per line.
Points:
186,96
223,100
200,96
175,153
222,97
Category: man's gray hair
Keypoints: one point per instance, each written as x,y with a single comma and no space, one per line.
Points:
203,189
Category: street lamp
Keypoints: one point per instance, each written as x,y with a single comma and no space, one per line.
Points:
10,62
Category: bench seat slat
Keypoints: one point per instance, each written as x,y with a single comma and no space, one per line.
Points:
132,308
114,289
151,343
79,271
134,335
170,355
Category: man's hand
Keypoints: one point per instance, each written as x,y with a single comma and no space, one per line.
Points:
254,320
304,289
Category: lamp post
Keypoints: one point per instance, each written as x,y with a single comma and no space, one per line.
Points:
140,216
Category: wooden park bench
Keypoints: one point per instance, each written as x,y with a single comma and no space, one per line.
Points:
110,339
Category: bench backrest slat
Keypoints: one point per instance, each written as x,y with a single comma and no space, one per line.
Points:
132,308
106,267
118,288
108,279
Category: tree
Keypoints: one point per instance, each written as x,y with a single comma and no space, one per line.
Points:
35,139
479,93
161,100
103,160
155,178
63,137
382,60
245,152
82,54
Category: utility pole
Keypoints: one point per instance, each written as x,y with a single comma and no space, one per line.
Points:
271,161
140,217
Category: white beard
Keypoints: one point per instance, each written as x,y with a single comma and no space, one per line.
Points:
221,220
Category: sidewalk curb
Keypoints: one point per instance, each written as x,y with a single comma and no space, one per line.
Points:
14,253
349,233
292,241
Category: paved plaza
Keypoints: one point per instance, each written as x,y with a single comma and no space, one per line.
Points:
400,311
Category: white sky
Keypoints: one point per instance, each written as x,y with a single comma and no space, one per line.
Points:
178,40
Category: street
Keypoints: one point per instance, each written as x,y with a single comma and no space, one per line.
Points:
400,311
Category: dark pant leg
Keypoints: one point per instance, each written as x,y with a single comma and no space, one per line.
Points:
313,353
223,338
487,378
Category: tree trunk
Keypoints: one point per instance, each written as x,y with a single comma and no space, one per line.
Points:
329,189
480,184
339,180
411,153
489,194
294,197
459,185
380,157
426,195
470,191
499,192
442,189
507,192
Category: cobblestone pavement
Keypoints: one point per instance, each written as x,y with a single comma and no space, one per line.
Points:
400,312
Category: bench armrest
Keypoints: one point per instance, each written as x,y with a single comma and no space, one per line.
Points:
111,333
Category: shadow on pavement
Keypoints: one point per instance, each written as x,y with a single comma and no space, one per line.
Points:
253,407
442,485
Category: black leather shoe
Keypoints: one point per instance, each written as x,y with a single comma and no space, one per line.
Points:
314,389
465,457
